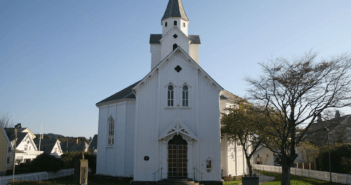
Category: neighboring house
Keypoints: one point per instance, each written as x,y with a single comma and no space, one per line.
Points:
5,145
265,156
74,146
233,160
25,147
93,145
49,146
170,119
339,130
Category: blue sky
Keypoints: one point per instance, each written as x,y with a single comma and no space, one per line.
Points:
59,58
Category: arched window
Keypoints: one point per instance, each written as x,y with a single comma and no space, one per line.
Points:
175,23
175,46
185,96
170,96
111,131
166,24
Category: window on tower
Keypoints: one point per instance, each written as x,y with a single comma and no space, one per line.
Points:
170,98
166,24
175,23
185,96
184,25
175,46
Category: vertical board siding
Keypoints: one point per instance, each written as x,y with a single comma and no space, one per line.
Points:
129,142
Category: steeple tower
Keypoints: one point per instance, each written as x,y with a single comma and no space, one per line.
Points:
175,16
175,9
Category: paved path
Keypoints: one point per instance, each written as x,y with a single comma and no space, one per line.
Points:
263,178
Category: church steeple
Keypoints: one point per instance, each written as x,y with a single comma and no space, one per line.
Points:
175,16
175,9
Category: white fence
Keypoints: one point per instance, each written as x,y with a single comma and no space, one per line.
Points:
314,174
37,176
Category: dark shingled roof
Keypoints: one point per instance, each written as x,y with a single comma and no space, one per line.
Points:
93,143
155,39
175,9
11,135
46,145
73,147
123,94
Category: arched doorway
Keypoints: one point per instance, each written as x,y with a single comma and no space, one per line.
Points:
178,157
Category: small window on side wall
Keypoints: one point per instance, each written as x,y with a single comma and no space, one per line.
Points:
166,24
175,23
208,164
111,131
184,25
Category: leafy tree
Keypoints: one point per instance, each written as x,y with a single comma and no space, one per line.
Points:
308,151
297,92
238,125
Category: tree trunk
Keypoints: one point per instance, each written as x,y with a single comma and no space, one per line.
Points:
250,166
285,171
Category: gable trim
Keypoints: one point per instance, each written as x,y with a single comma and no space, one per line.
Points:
177,127
179,49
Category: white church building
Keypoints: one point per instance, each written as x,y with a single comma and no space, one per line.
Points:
167,125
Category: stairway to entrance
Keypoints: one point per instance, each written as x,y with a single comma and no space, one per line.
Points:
177,182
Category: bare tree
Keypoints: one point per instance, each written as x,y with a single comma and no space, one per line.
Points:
297,92
5,120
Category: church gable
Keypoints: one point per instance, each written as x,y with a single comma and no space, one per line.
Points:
181,58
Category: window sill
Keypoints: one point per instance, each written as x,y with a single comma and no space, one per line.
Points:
185,107
170,108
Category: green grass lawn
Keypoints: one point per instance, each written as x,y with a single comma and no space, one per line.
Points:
294,180
232,182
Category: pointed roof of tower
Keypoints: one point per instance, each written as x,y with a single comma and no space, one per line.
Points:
175,9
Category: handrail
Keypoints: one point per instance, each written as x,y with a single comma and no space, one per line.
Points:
195,173
156,173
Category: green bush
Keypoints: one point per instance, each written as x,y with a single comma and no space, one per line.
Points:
70,158
340,156
45,162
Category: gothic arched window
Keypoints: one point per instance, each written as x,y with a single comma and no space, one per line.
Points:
175,46
170,97
175,23
166,24
111,131
185,96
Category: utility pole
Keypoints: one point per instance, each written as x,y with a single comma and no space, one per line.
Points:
14,153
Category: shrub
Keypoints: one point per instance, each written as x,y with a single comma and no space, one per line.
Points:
229,178
45,162
70,158
340,158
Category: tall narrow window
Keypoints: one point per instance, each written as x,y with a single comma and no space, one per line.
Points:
166,24
170,96
175,23
175,46
184,25
111,131
185,96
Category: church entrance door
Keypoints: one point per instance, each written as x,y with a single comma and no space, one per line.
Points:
178,158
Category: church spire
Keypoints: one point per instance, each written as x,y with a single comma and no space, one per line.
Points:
175,9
